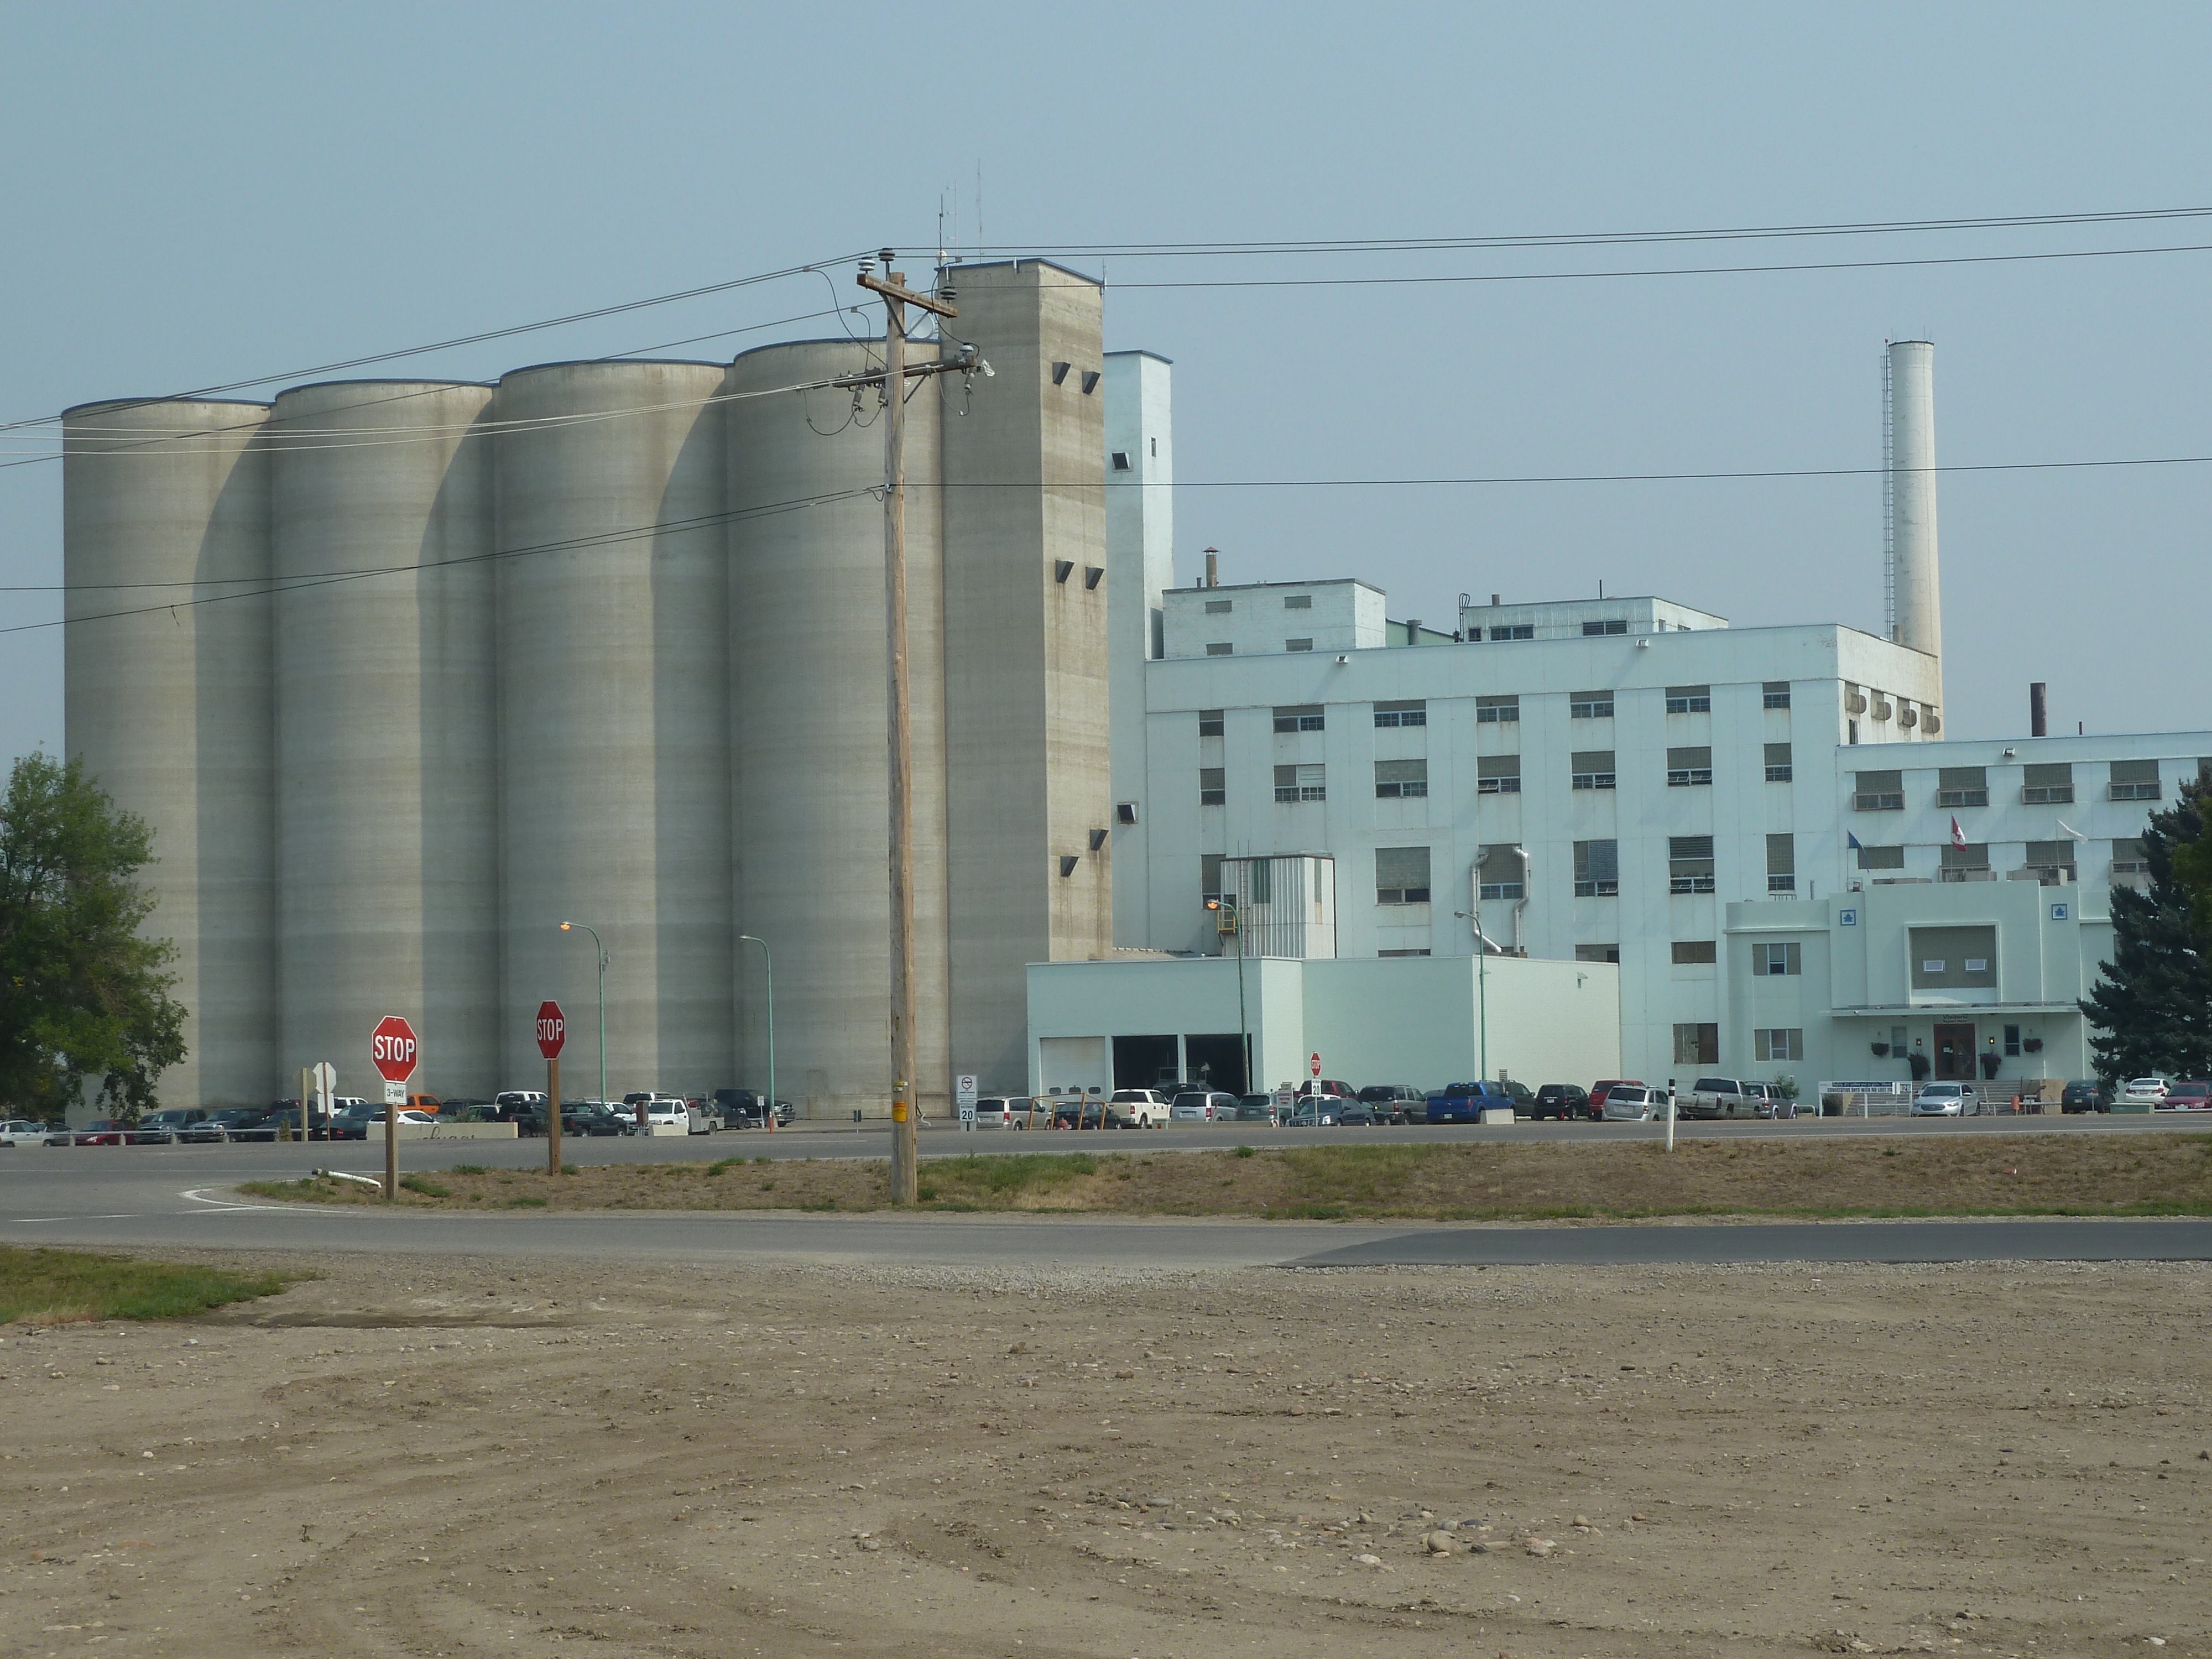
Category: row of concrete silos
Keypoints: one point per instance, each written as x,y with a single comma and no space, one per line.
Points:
601,643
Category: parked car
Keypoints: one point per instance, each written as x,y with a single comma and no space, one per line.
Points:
1631,1102
160,1129
2194,1096
1145,1107
214,1126
1946,1100
2085,1095
1328,1085
21,1132
744,1109
1090,1114
352,1123
1598,1090
1002,1111
588,1117
1397,1102
1353,1113
1718,1096
1462,1103
1313,1112
661,1112
1203,1106
101,1131
259,1123
412,1119
1565,1101
1255,1109
2143,1092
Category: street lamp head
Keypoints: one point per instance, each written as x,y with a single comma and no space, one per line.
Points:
566,926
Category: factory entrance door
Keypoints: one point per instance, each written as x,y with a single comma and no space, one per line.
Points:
1955,1053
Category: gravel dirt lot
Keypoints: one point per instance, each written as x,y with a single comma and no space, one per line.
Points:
403,1457
2166,1174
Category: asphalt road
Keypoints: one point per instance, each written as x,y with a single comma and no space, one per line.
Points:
164,1196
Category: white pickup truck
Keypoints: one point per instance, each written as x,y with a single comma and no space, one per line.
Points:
665,1115
1721,1096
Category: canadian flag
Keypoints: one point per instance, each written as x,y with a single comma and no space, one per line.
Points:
1958,835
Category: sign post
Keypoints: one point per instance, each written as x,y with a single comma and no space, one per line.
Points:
965,1092
552,1033
393,1048
323,1078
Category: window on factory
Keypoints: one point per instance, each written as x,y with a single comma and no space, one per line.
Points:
1400,779
1967,863
1498,774
1782,864
1591,768
1772,958
1779,1043
1962,786
2047,785
1219,607
1209,877
1122,460
1402,953
1298,602
1881,857
1689,864
1209,722
1413,712
1401,875
1517,631
1597,953
2134,779
1690,952
1689,699
2051,857
1597,869
2012,1039
2128,858
1688,767
1299,717
1779,768
1698,1045
1502,873
1593,629
1590,706
1775,694
1953,959
1212,790
1879,791
1296,783
1220,649
1298,645
1490,711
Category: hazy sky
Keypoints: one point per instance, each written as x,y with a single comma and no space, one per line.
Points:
199,194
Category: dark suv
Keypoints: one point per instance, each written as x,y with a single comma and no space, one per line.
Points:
1396,1103
1566,1101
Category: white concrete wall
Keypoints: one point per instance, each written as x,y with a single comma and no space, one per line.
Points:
1259,618
1139,567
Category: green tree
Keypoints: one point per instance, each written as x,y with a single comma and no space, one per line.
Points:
2192,864
82,996
2151,1005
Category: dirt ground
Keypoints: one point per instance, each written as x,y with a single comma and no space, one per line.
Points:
411,1458
2167,1173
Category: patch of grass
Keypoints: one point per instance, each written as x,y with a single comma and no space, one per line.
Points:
61,1286
723,1165
928,1194
765,1159
571,1169
1010,1175
530,1203
468,1168
424,1185
820,1204
1246,1152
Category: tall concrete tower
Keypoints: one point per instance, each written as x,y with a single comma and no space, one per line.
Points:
1915,593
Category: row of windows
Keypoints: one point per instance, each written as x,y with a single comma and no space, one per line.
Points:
1224,648
1488,711
1401,871
1290,602
2041,785
1495,775
1957,857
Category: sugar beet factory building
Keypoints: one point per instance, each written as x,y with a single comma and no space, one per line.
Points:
449,664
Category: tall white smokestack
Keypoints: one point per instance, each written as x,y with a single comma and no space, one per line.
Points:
1915,592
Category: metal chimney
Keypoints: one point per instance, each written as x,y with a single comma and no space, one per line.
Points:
1916,597
2038,717
1214,567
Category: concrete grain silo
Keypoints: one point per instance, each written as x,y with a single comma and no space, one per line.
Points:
166,504
386,786
613,606
808,718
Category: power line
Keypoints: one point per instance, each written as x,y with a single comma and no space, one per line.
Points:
465,339
1470,481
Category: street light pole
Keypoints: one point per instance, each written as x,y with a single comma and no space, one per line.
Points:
596,939
769,962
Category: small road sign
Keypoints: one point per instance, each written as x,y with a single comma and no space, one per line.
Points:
965,1095
392,1048
552,1030
1315,1063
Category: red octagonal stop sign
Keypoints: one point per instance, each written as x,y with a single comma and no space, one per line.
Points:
552,1030
392,1046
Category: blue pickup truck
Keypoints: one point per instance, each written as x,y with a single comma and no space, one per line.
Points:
1465,1102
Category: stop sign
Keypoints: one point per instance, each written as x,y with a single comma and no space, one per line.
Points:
1316,1063
552,1030
392,1046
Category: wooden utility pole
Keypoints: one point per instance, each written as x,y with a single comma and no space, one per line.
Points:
553,1115
896,297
